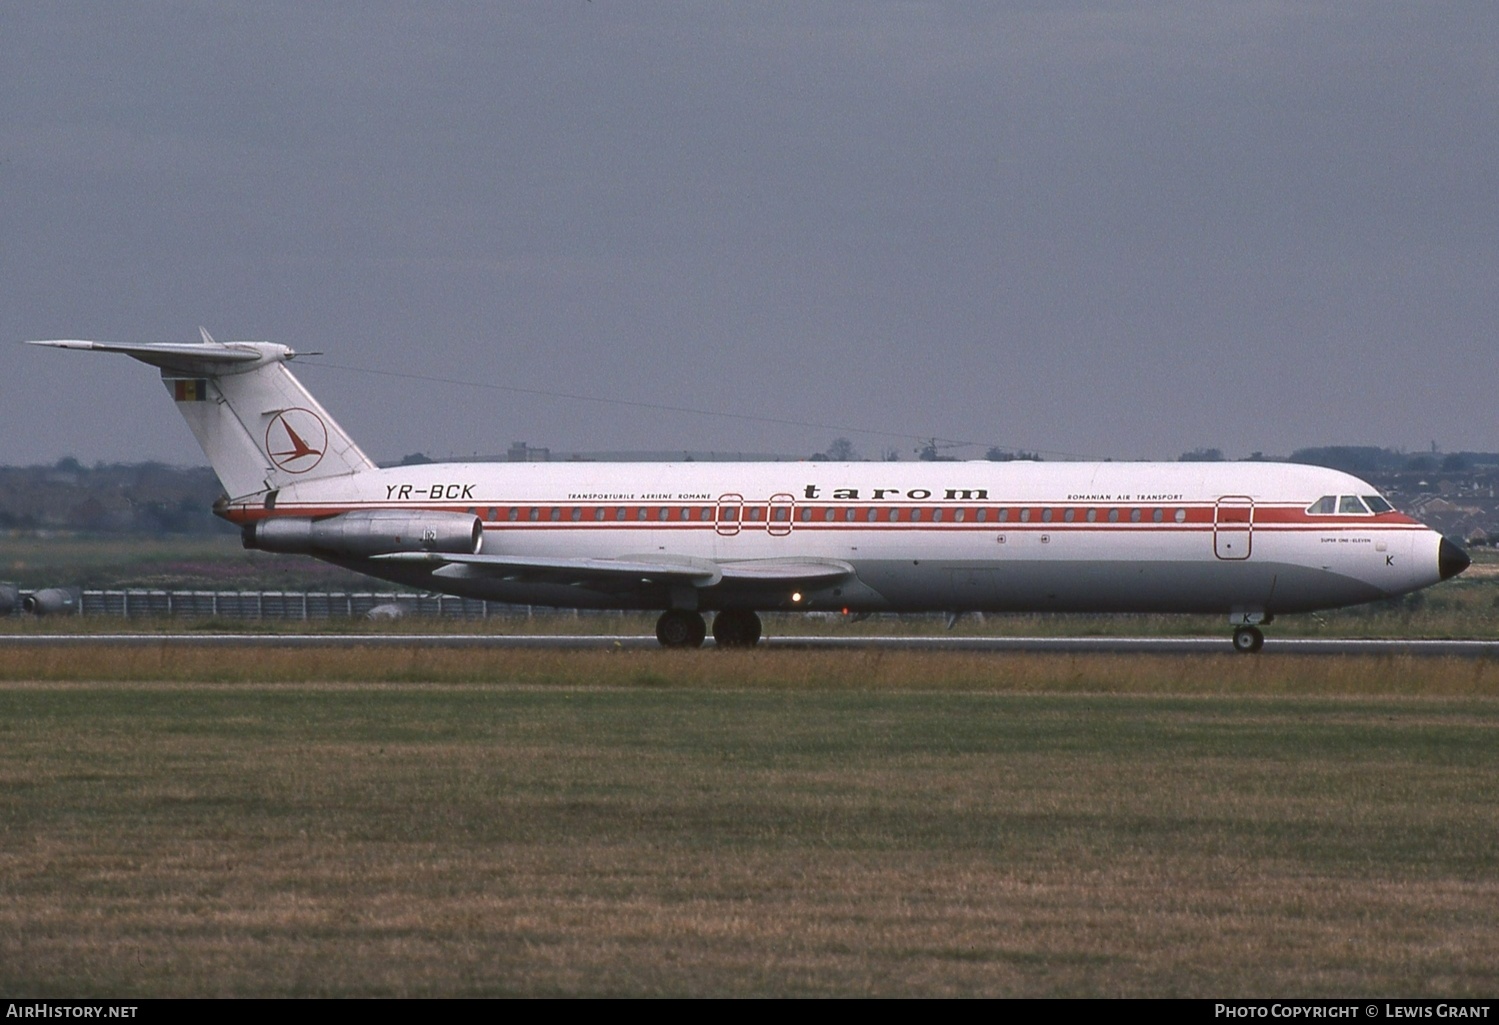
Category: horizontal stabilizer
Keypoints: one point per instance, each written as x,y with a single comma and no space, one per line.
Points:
186,357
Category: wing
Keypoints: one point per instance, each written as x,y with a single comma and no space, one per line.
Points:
628,572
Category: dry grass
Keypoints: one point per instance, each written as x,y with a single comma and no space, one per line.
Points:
1013,672
705,835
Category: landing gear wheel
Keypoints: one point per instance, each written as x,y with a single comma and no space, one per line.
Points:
1248,639
680,629
736,628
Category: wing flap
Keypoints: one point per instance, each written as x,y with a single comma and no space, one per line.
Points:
580,570
628,570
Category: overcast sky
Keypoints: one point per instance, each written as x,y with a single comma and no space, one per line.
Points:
1106,229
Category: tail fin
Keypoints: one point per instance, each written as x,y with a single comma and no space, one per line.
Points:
258,426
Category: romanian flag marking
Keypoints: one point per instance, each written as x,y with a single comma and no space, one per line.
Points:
190,391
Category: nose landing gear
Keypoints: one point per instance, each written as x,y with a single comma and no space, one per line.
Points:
1248,639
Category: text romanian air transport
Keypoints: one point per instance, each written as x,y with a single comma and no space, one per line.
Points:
1246,540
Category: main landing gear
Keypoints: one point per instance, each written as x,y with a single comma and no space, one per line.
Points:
735,628
678,628
1248,639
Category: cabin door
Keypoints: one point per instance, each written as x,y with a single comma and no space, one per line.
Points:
1233,527
730,511
779,516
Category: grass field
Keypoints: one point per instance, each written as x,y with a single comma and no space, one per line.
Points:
711,823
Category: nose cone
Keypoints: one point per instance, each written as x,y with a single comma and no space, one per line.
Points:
1451,560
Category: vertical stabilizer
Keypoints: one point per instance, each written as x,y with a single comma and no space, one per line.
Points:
258,426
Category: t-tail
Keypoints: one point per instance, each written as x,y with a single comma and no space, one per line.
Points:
259,427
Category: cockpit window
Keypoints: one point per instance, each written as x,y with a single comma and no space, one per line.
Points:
1348,505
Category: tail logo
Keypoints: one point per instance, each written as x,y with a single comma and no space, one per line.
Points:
296,440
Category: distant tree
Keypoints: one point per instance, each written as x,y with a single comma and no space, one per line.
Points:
1456,462
842,451
1202,455
818,457
67,464
999,455
415,459
931,451
1420,464
1349,458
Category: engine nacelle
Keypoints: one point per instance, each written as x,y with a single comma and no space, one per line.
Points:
52,601
362,534
10,599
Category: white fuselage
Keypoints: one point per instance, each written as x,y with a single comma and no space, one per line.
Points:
952,536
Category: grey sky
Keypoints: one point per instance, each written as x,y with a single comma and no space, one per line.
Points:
1106,229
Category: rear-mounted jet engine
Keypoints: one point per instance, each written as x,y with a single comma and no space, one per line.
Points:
363,534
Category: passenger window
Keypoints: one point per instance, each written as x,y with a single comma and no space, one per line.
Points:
1025,516
1004,516
1069,515
1158,515
1113,515
598,513
1181,516
1134,515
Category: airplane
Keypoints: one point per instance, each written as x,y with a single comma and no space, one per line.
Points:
1250,540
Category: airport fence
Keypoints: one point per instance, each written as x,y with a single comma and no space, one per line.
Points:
273,605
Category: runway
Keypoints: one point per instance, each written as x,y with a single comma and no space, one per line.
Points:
594,642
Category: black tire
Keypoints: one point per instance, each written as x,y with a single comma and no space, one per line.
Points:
736,628
1248,639
679,629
